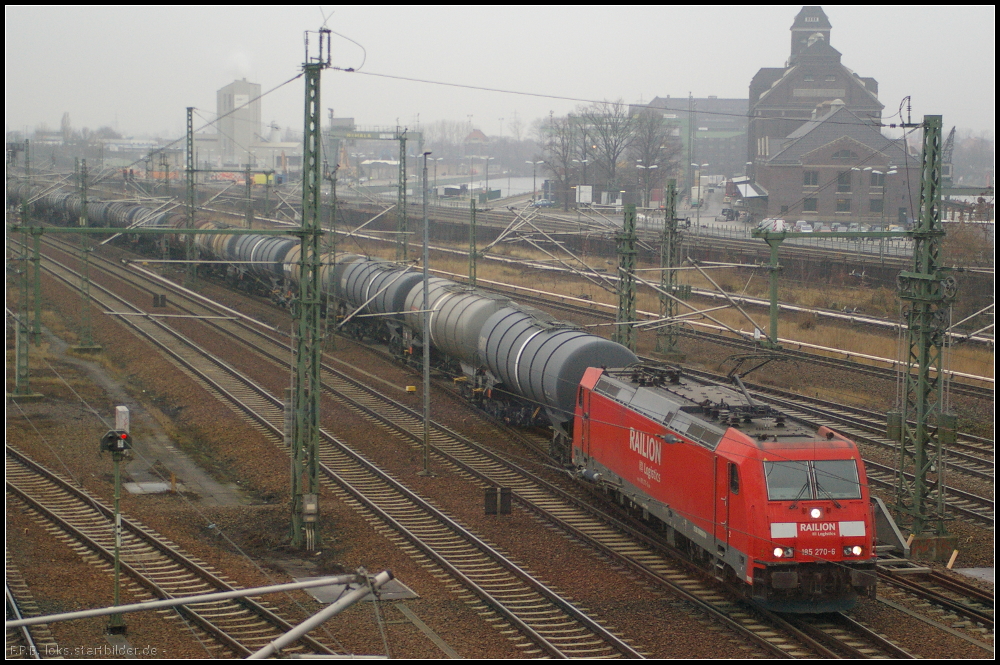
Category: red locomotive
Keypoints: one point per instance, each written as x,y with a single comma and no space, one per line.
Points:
781,508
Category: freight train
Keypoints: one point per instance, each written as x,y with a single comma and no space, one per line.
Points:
780,510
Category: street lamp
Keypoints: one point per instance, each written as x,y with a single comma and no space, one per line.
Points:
534,182
584,162
425,332
436,160
584,178
697,174
487,161
645,181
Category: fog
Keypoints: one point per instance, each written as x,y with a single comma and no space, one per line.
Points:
137,68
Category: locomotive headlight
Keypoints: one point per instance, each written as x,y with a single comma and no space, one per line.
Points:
786,552
816,513
853,551
777,552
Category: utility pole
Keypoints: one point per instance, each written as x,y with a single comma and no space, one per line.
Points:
86,333
625,318
670,259
165,165
929,290
248,178
774,271
267,193
426,336
330,250
402,241
22,371
36,258
189,172
473,255
692,121
308,337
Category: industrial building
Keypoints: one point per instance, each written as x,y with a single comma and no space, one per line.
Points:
815,149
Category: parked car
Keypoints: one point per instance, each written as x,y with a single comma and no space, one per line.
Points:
802,226
543,203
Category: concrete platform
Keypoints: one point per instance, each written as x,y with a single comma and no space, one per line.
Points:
985,574
151,488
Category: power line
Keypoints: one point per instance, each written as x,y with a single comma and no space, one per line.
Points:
561,97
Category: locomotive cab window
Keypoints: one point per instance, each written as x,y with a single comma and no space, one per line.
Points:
822,479
837,479
734,478
787,481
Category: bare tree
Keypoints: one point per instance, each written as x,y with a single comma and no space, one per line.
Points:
559,149
609,126
446,137
655,152
516,127
974,156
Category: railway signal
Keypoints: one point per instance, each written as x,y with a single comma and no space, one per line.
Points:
118,442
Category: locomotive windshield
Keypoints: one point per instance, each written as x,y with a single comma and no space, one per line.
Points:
821,479
837,479
787,481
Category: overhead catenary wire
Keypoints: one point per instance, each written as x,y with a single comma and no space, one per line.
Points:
585,100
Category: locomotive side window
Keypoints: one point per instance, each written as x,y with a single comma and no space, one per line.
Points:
734,478
606,387
787,481
837,479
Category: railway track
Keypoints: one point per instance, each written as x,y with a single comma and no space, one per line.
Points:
554,223
34,642
848,638
157,567
547,623
940,600
973,605
972,455
570,513
355,485
573,514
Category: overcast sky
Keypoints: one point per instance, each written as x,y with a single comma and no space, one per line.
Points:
138,68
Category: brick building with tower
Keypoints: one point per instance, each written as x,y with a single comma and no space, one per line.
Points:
814,139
